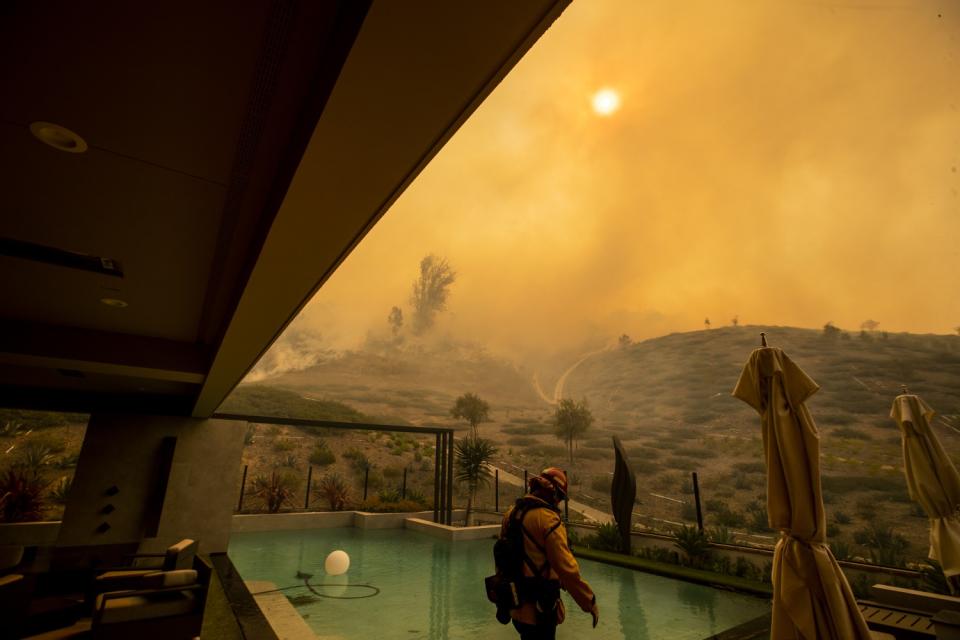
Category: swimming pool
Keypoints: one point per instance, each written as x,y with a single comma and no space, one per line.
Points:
431,589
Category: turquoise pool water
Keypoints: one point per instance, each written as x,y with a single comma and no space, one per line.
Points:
430,589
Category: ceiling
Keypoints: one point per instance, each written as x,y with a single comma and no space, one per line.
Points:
237,152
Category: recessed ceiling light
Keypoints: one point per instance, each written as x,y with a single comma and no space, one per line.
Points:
114,302
58,137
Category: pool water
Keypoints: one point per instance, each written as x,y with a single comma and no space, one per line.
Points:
431,589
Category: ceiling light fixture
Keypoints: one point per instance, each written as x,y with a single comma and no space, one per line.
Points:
114,302
58,137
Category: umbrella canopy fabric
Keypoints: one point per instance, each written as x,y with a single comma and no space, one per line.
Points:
932,479
812,599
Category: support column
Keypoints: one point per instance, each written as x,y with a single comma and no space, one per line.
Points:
436,480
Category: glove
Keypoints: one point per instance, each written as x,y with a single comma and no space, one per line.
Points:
595,612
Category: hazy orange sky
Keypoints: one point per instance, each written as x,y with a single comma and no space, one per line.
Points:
788,162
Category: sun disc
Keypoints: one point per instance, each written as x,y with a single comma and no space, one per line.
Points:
605,102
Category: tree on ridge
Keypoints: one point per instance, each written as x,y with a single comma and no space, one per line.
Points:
571,420
473,409
430,291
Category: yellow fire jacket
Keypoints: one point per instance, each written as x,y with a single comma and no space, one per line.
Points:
545,526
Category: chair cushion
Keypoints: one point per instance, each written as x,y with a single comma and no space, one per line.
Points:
125,573
130,608
160,579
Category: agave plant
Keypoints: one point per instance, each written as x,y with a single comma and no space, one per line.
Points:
21,495
693,542
275,491
35,456
60,490
333,489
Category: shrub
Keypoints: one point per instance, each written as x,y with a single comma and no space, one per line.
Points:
849,432
601,483
282,446
392,471
60,490
720,535
275,491
321,455
723,514
832,529
750,467
67,461
841,550
333,489
289,461
607,538
841,518
415,495
21,496
389,495
35,456
866,508
743,481
248,436
886,547
55,444
693,543
757,513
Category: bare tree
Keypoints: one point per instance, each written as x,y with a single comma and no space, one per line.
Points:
430,291
706,323
869,325
624,341
735,321
395,320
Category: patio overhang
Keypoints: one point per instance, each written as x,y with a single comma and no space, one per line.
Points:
236,155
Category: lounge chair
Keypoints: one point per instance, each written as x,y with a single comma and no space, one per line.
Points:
14,593
168,605
164,605
177,556
909,614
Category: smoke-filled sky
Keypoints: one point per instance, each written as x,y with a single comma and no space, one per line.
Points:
788,162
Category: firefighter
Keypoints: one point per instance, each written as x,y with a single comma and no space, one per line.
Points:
548,564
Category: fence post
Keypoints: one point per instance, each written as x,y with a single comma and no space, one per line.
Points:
366,479
450,478
523,489
436,480
403,491
496,488
696,498
243,485
306,500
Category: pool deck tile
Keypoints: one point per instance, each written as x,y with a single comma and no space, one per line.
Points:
283,617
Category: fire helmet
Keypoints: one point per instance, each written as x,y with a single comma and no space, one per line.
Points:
557,478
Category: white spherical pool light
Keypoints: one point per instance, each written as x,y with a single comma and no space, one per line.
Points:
336,563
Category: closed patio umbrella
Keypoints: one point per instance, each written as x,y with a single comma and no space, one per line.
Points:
932,479
812,599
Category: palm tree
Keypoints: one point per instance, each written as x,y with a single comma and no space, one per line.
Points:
473,454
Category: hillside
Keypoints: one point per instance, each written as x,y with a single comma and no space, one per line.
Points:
669,400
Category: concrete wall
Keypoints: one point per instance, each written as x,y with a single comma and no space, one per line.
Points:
327,520
29,534
453,534
123,451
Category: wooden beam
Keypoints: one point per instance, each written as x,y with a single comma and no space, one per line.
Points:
101,352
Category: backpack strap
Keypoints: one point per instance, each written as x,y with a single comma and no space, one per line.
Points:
524,509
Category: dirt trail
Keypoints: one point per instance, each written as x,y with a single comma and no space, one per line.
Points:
562,380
